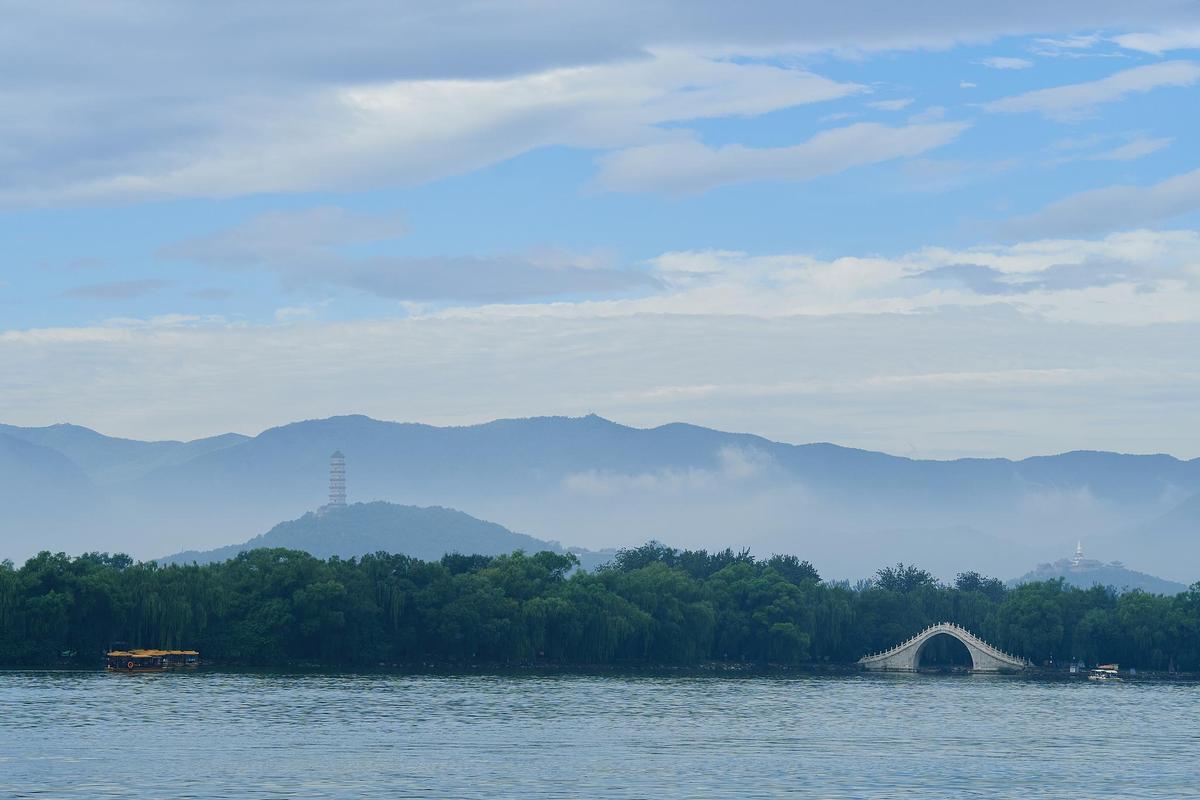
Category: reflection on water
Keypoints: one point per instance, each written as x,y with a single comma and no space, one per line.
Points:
228,734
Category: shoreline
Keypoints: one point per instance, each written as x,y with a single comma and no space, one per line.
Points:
730,670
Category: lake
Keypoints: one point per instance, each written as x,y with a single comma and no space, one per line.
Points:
214,734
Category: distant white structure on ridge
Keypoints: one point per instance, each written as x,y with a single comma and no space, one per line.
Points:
1080,563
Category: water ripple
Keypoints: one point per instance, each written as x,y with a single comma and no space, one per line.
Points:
213,734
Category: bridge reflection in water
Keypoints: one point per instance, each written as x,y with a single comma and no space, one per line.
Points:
906,656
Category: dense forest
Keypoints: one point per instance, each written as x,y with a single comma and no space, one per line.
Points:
652,605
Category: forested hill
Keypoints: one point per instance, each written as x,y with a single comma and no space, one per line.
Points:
1113,575
652,605
363,528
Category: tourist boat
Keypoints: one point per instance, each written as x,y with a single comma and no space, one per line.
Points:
150,660
1105,672
174,659
134,661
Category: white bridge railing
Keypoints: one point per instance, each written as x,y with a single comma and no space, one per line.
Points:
995,652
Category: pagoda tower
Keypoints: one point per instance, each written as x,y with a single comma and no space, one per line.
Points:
337,480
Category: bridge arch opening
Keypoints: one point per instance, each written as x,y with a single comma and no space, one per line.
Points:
944,651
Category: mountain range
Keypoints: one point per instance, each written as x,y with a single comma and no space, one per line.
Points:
594,483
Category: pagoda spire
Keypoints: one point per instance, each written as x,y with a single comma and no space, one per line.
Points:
337,479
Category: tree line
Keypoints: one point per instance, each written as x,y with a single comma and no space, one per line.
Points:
650,605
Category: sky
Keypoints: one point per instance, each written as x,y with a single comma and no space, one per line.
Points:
937,229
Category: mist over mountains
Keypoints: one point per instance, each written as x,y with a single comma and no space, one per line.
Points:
594,483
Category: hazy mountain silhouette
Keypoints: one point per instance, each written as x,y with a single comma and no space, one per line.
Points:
362,528
1172,537
1177,528
41,491
591,482
1116,576
107,459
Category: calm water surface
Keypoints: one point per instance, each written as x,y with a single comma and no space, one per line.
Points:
227,735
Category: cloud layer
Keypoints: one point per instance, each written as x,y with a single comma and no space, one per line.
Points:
687,166
1080,99
997,350
313,248
574,250
117,290
1160,42
310,97
1007,62
394,133
1113,207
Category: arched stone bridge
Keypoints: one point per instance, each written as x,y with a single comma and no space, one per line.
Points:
906,656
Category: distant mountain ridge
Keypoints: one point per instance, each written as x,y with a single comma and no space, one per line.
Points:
1169,537
107,459
363,528
593,482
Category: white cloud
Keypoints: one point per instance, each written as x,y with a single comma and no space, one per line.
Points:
289,237
288,313
685,165
980,379
117,290
1138,146
1160,42
892,105
967,85
325,98
1080,99
1006,62
307,248
945,381
1113,208
1134,278
405,132
939,175
930,114
734,465
1070,46
838,116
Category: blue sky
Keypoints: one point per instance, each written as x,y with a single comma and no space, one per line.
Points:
949,230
